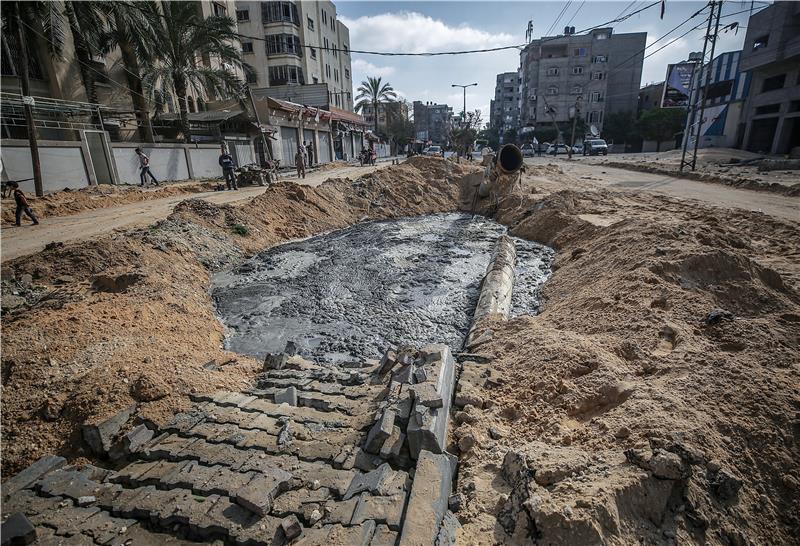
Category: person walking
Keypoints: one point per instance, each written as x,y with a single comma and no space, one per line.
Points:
228,166
22,204
305,153
299,163
310,153
144,168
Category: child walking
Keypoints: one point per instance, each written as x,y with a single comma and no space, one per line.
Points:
144,168
22,204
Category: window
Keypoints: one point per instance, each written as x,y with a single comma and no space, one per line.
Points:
324,18
313,52
552,71
242,15
599,59
251,76
344,47
579,52
279,12
773,83
577,89
768,109
315,79
596,96
577,70
597,75
552,90
328,70
283,44
761,41
219,9
247,47
333,24
596,116
336,74
347,73
310,23
601,36
325,44
282,75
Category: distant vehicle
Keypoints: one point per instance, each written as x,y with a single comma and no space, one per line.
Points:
557,149
432,150
595,146
528,150
578,148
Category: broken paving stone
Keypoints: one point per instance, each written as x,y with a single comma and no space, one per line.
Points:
494,433
86,500
448,530
275,361
259,494
426,395
17,529
387,362
454,502
380,431
404,374
287,396
420,375
393,444
100,436
666,465
31,474
725,485
369,481
291,527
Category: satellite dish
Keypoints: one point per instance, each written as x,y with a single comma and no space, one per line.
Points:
594,131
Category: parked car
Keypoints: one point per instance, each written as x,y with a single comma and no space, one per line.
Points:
432,150
578,148
557,149
528,150
595,146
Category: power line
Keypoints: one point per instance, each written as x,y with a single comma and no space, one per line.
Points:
560,15
576,13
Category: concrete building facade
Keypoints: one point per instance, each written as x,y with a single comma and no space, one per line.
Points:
432,122
598,72
771,114
297,43
505,107
386,113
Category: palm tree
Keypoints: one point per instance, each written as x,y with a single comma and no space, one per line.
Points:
21,24
124,21
179,36
86,23
373,92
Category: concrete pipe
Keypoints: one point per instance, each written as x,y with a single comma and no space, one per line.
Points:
509,159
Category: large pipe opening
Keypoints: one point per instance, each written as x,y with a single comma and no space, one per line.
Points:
509,159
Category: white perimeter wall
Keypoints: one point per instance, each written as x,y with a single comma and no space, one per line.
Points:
62,167
205,162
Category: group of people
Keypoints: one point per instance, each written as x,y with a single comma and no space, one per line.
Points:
304,157
226,161
367,156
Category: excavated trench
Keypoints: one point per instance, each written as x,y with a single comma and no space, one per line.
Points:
355,292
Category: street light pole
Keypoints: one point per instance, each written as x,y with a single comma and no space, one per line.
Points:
464,88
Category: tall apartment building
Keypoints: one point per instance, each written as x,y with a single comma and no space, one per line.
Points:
504,114
599,71
771,115
386,113
432,122
297,43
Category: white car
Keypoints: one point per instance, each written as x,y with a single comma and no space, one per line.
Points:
557,149
528,150
596,146
432,150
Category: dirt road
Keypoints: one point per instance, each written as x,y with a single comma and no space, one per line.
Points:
29,239
717,195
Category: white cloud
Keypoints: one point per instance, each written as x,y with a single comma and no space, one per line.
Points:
415,32
360,66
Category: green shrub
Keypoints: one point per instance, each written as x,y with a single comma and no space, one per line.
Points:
240,229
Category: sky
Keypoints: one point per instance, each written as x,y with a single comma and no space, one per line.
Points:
451,26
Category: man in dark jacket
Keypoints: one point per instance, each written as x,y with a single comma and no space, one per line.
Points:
228,165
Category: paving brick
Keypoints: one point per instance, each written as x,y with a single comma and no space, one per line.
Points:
388,510
286,396
340,511
31,474
369,481
47,537
136,535
391,447
291,527
100,436
17,529
67,520
293,501
449,530
383,536
380,431
102,527
259,494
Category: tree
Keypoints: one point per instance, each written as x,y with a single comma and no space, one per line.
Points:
20,23
546,133
124,20
621,127
179,36
465,134
86,23
510,136
490,135
661,124
373,92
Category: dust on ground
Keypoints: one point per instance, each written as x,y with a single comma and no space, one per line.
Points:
655,399
72,201
717,165
90,328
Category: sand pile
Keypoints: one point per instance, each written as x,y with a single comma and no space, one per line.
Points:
654,399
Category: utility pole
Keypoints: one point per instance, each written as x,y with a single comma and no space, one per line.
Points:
464,88
575,111
692,119
258,121
27,103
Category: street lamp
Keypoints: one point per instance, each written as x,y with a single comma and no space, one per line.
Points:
464,87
